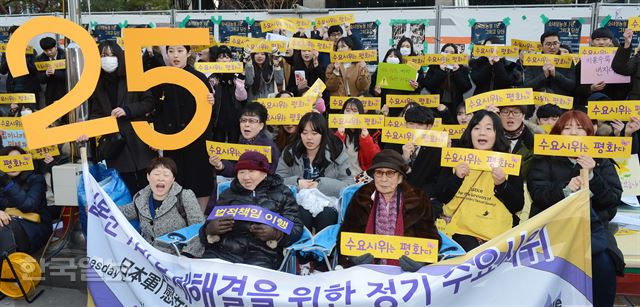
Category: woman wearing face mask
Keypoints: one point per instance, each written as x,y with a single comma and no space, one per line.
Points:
358,142
347,79
264,76
405,46
316,159
112,98
305,70
393,56
448,81
503,194
231,94
551,179
174,110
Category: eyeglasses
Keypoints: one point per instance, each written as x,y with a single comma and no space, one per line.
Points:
244,120
507,113
389,174
551,44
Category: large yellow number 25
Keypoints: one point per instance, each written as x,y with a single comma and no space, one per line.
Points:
35,124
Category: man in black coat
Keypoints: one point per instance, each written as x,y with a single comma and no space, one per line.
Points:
55,79
23,84
548,78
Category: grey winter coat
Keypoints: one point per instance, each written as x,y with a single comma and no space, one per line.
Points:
266,86
168,218
334,178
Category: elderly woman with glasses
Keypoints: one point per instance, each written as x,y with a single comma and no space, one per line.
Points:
389,205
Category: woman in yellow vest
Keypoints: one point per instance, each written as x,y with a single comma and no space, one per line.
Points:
480,205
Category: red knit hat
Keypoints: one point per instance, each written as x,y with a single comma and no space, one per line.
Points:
253,160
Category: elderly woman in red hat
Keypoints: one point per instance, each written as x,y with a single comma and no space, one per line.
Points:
251,242
389,205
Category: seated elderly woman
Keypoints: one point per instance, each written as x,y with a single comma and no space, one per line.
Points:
389,205
250,242
23,208
163,206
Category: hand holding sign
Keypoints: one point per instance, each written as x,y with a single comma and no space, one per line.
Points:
498,175
220,226
462,170
632,126
628,36
586,162
264,232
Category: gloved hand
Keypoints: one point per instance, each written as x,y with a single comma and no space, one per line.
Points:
220,226
409,265
362,259
264,232
4,179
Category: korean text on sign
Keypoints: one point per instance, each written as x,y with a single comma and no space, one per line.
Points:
536,59
437,59
482,160
389,247
563,102
10,123
335,20
41,152
17,98
500,51
356,121
421,137
368,103
278,23
219,67
284,117
297,43
394,122
611,110
354,56
284,104
17,163
526,45
455,131
574,146
229,151
57,64
500,98
399,101
316,89
253,213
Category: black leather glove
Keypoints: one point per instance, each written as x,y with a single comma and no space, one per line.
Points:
4,179
362,259
220,226
409,265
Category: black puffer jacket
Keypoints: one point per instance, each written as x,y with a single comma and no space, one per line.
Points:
240,245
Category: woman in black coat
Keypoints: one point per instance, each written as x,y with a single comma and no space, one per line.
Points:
449,81
112,98
248,242
24,191
175,108
490,74
304,61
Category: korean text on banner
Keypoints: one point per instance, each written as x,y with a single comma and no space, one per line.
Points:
335,20
356,121
596,66
437,59
394,122
482,160
219,67
526,45
285,117
297,43
399,101
278,23
499,51
563,102
283,104
10,123
500,98
396,76
574,146
388,247
368,103
420,137
316,89
254,214
622,110
41,152
17,163
17,98
537,59
14,137
354,56
455,131
56,64
229,151
628,170
634,23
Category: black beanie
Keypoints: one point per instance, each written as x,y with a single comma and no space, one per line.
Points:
420,115
601,33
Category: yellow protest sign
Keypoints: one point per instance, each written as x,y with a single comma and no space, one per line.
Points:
335,20
278,23
354,56
437,59
526,45
230,151
455,131
356,121
29,50
17,163
493,50
611,110
316,89
399,101
10,123
576,58
481,160
41,152
198,48
538,59
301,23
421,137
634,23
297,43
369,103
500,98
261,45
237,41
219,67
546,128
17,98
585,50
574,146
57,64
563,102
394,122
279,104
283,117
388,247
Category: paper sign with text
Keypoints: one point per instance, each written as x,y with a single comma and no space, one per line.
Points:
354,56
278,23
40,153
420,137
10,123
394,122
57,64
500,98
634,23
280,117
3,49
219,67
526,45
335,20
546,128
266,46
455,131
574,146
17,98
17,163
563,102
297,43
356,121
230,151
492,51
198,48
388,247
628,170
14,138
597,68
482,160
437,59
291,103
396,76
369,103
301,23
255,214
316,89
611,110
538,59
237,41
400,101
